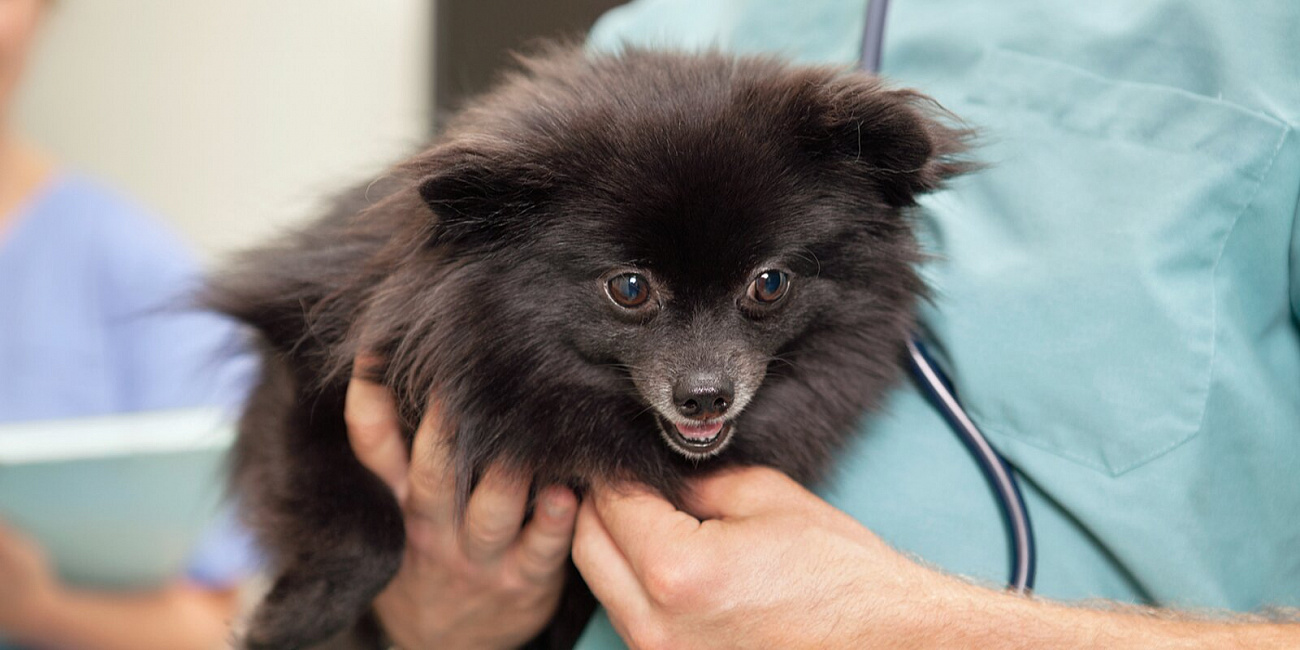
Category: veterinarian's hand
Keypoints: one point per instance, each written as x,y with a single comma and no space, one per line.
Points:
29,584
491,583
763,563
770,566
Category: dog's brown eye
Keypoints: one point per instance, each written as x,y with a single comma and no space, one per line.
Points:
769,286
629,290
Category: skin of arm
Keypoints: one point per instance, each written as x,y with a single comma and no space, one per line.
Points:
37,610
761,562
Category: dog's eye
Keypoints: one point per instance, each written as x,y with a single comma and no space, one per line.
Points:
629,290
769,286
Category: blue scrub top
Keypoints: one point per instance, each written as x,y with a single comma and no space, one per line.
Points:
1117,294
96,318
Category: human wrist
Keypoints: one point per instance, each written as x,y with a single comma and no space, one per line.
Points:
925,609
404,624
942,611
967,615
394,620
948,612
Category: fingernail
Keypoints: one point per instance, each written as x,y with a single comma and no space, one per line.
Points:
556,507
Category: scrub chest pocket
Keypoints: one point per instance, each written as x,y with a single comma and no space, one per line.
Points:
1079,307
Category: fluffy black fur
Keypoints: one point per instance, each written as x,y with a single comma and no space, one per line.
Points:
477,271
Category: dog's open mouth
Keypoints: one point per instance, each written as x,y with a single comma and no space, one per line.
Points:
696,440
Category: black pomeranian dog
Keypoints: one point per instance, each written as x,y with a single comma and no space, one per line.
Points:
638,267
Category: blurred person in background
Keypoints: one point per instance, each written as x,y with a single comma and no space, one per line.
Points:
90,287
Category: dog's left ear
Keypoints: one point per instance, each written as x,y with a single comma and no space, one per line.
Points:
900,140
476,190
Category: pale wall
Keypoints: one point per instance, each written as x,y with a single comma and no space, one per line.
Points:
230,118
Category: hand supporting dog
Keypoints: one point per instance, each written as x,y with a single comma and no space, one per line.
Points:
761,562
492,582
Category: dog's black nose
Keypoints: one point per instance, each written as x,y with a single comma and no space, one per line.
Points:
703,395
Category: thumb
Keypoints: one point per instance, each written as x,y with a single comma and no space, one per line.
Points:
374,429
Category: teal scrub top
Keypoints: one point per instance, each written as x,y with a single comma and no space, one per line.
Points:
1116,294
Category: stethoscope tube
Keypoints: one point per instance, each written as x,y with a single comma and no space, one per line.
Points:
995,468
930,377
873,35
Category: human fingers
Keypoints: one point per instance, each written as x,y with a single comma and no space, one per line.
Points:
494,514
605,569
546,539
741,492
431,476
370,413
646,527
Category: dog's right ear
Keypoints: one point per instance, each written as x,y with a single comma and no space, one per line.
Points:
900,140
477,192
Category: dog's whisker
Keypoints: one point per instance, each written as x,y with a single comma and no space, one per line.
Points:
783,360
810,255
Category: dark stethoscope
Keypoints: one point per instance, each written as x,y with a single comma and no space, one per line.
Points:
937,387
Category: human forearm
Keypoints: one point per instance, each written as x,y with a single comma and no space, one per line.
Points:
969,616
176,618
